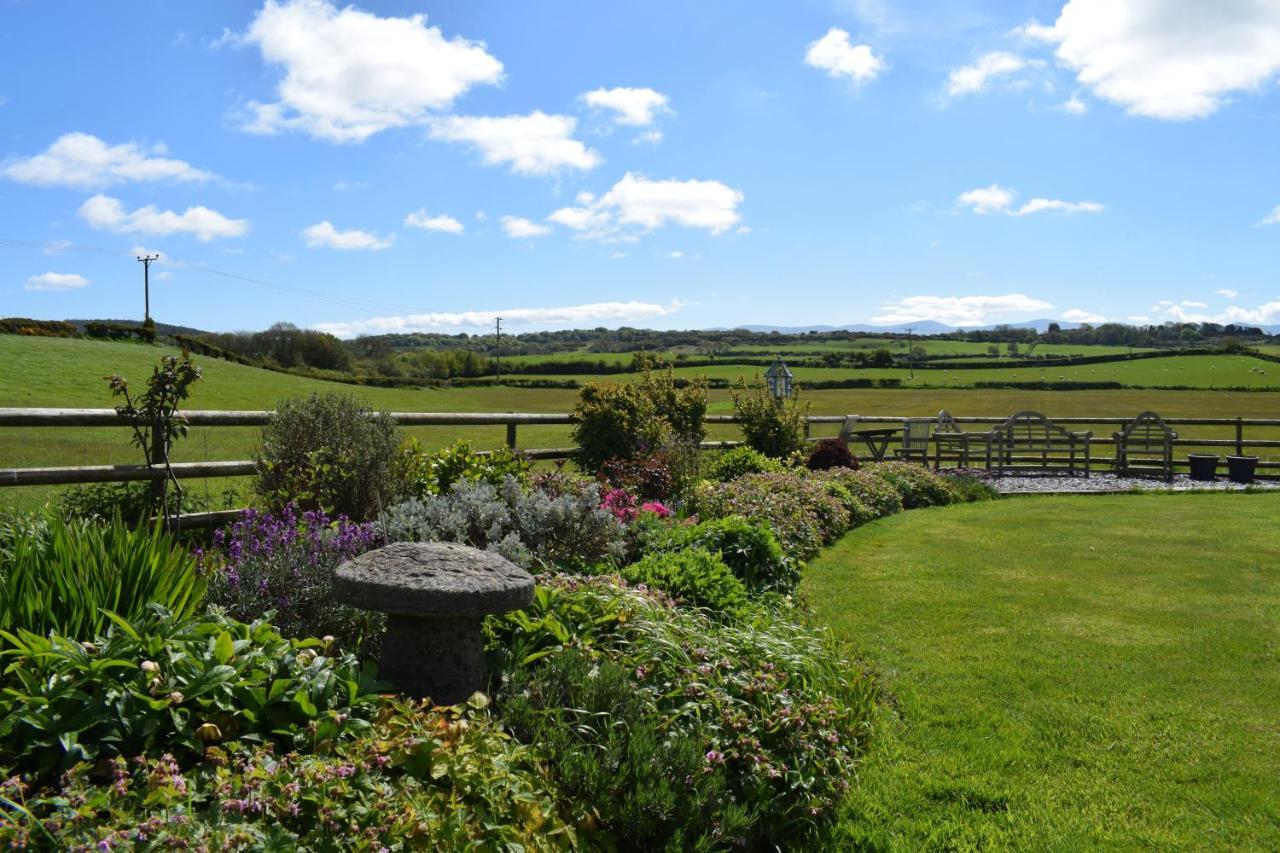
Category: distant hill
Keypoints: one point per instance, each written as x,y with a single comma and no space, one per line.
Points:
161,328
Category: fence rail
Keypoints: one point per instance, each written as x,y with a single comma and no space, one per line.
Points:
13,417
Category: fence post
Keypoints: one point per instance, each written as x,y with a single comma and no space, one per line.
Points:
155,457
1239,436
511,435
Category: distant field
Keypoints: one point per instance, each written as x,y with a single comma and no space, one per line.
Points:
1198,371
930,345
68,373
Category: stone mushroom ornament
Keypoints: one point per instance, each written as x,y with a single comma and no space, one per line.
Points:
435,595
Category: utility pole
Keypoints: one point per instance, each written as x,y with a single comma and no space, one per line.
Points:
497,335
146,260
911,355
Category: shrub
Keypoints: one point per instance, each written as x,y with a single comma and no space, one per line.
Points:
131,501
615,421
283,563
332,453
872,491
531,529
442,778
773,427
918,486
799,510
693,575
64,576
631,419
169,683
435,473
732,464
648,477
676,728
748,548
559,483
830,453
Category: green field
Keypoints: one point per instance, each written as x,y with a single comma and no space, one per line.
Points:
57,372
1195,371
1111,682
931,346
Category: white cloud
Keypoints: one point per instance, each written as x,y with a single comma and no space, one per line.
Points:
56,247
652,136
834,54
1265,314
536,144
1167,59
1227,293
1272,218
970,79
1139,318
1079,315
347,186
992,199
636,204
323,234
108,214
570,316
56,281
998,199
1074,105
83,160
637,107
519,227
675,255
966,311
441,222
349,74
1189,303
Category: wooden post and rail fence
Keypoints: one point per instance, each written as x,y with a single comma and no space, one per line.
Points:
14,417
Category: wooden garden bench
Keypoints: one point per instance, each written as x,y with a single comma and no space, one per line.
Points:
951,442
1028,441
1144,446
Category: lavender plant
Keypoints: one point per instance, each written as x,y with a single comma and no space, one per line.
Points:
284,562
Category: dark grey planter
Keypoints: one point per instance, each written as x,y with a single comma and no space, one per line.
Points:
1204,466
1241,468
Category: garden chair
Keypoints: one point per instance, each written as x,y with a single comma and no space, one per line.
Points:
915,440
951,442
1144,446
1028,441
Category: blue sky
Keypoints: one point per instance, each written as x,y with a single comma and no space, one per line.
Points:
420,166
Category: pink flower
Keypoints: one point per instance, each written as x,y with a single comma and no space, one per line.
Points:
657,508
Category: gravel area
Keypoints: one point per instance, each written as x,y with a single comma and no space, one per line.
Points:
1104,482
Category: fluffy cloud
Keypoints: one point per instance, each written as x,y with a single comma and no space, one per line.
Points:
536,144
835,55
1192,312
1079,315
634,107
570,316
974,78
108,214
349,74
1226,293
966,311
1272,218
84,160
56,281
1168,59
442,222
519,227
324,235
998,199
636,204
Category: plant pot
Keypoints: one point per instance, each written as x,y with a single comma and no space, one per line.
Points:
1241,468
1204,466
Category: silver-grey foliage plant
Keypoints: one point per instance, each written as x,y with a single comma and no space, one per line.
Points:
532,529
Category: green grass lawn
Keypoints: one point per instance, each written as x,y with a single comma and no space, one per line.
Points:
1066,673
